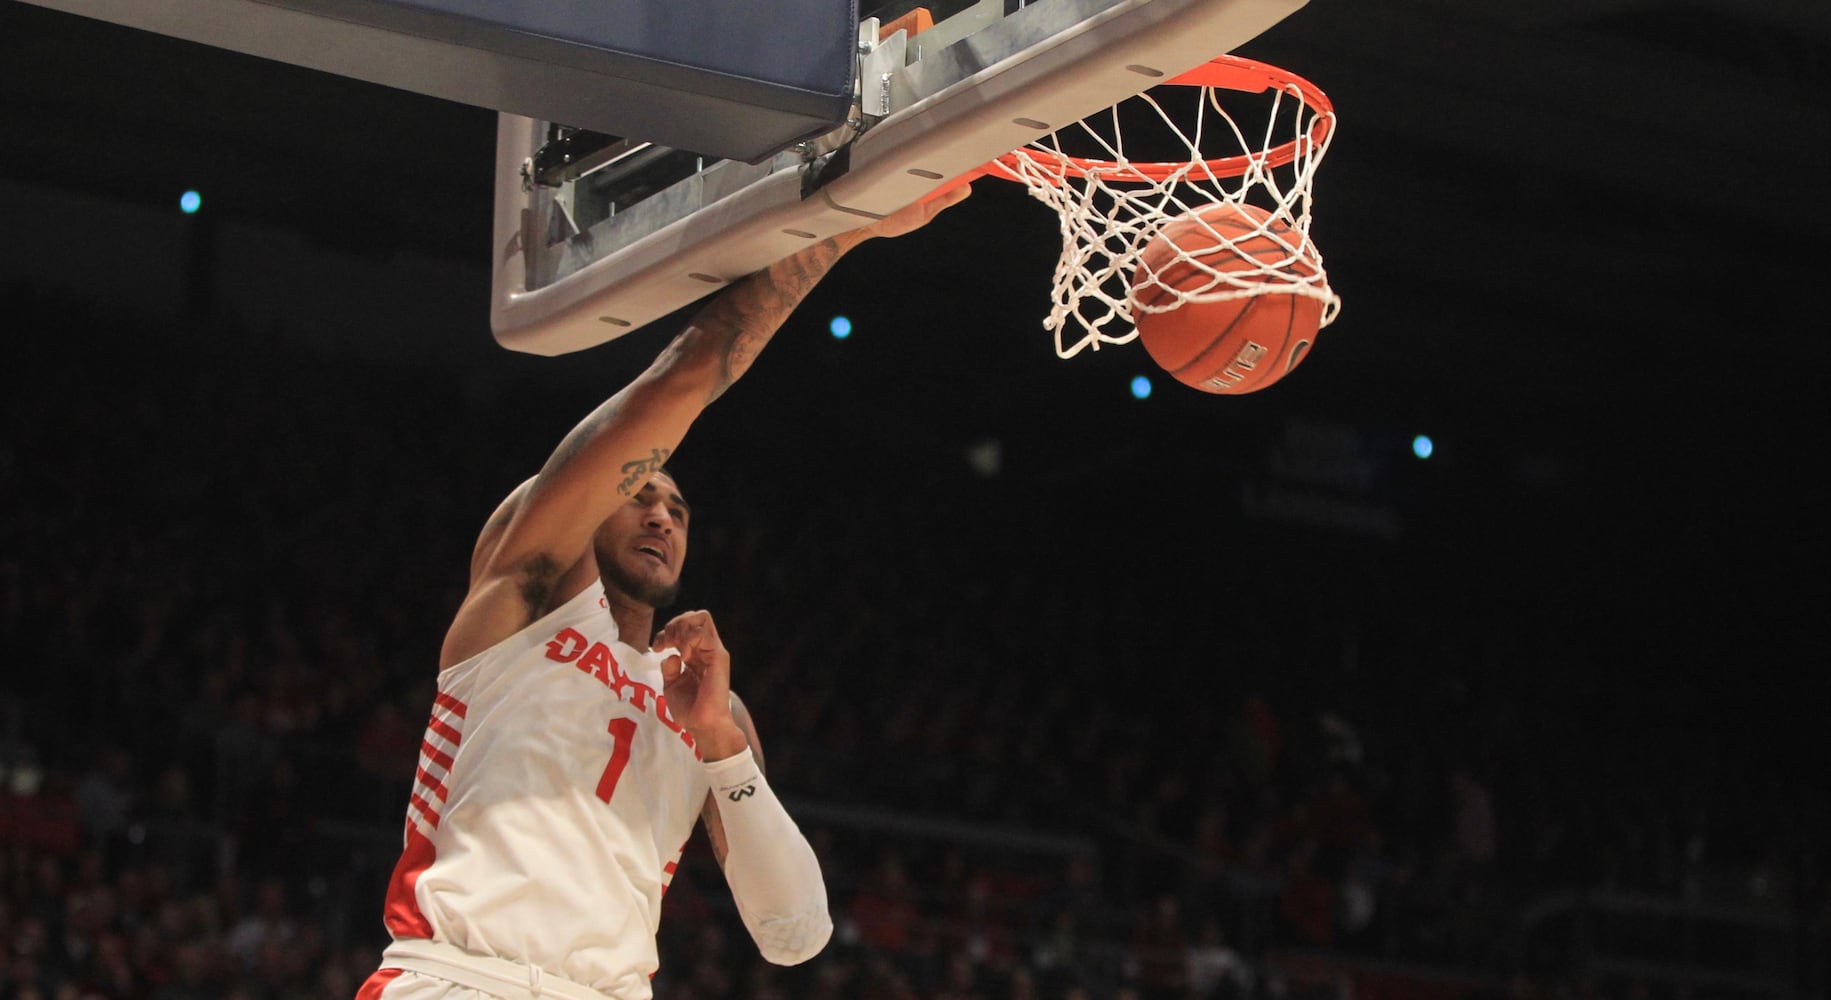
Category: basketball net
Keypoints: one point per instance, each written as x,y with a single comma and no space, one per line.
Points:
1112,204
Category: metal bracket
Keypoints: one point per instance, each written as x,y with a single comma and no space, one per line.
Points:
570,153
877,66
879,61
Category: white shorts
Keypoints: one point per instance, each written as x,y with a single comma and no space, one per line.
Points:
429,970
397,984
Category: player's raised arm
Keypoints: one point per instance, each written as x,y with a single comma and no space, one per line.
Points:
534,553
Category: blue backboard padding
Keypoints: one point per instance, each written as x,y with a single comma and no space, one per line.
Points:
730,78
733,79
798,47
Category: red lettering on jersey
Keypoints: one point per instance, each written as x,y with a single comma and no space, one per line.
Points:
617,676
566,645
598,661
667,719
569,645
635,693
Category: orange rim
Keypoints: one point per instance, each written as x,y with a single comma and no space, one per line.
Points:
1222,72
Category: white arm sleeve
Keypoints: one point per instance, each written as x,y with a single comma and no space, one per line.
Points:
774,876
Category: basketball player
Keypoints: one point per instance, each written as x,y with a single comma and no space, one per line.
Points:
571,747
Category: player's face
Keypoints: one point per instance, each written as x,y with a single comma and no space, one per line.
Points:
642,545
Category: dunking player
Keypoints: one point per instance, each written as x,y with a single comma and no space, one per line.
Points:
565,763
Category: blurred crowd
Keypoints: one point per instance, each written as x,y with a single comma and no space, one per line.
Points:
227,565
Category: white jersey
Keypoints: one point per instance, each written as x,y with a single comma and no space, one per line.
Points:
552,801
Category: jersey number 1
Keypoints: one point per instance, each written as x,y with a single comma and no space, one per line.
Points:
622,738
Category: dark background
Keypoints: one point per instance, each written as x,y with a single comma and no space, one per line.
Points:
1580,245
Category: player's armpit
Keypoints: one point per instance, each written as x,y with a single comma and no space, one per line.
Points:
503,597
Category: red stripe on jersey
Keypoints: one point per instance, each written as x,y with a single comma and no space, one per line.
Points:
450,704
431,782
436,755
432,818
667,873
444,729
401,912
377,981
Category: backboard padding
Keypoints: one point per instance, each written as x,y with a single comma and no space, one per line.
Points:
717,76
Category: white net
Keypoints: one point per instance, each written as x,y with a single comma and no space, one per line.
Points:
1235,145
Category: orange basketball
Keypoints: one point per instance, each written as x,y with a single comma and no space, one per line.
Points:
1236,345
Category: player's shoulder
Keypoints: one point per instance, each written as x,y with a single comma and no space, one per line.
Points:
497,523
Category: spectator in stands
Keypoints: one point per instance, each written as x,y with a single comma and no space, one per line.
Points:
1216,970
1159,954
86,541
266,923
883,913
1472,809
105,795
1306,907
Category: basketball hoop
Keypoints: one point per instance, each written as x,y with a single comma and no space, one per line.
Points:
1112,204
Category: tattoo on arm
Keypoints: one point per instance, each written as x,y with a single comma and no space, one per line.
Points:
634,473
580,436
730,331
750,314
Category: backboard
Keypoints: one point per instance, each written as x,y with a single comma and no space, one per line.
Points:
597,235
716,76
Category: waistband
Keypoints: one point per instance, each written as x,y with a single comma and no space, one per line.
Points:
497,977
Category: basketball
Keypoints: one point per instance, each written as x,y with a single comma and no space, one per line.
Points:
1235,345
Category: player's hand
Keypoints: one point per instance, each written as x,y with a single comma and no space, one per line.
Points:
913,217
696,679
